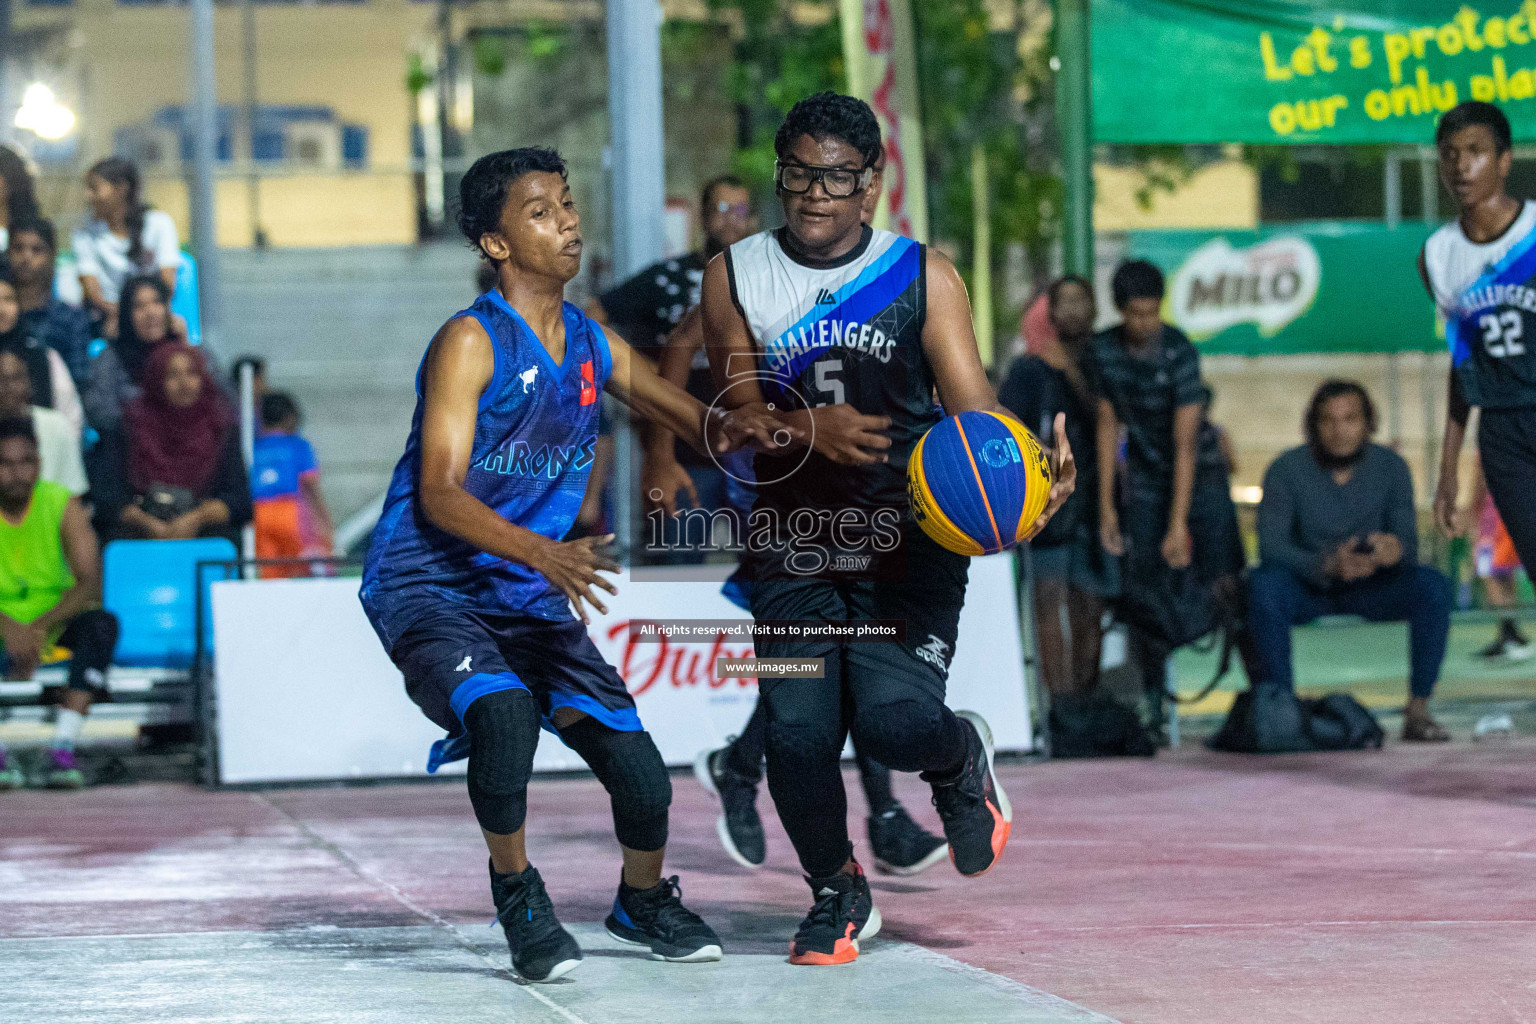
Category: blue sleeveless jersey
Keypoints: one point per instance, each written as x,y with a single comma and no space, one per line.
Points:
534,442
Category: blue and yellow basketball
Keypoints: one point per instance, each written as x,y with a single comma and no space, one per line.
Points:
977,482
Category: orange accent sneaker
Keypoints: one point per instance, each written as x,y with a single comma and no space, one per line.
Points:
844,913
976,813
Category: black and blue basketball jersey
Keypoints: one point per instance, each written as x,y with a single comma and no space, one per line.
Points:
534,442
845,331
1487,294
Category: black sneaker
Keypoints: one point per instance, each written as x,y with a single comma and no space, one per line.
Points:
739,827
976,814
844,913
1495,649
901,845
541,949
656,917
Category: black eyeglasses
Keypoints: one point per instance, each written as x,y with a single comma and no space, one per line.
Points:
837,182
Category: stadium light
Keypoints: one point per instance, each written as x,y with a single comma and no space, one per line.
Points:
42,114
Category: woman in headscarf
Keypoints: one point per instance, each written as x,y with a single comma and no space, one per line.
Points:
183,474
116,368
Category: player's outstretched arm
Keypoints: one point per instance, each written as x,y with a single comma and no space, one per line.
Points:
839,432
460,364
637,384
949,342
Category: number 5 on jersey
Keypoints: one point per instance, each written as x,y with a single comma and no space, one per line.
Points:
828,385
1501,333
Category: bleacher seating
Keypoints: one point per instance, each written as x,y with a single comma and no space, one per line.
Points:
149,585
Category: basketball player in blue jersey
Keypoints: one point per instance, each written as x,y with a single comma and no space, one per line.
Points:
853,331
470,586
1481,271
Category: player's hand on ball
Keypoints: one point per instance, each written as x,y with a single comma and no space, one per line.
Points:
848,437
1063,475
758,425
572,568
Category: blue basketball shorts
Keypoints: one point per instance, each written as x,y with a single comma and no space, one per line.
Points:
451,656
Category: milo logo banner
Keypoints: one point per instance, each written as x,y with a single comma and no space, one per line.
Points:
1308,288
1300,71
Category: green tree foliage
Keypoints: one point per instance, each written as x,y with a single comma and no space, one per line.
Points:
974,88
779,60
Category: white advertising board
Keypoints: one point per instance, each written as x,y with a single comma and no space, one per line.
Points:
305,691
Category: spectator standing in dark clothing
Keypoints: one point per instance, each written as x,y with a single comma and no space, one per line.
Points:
1176,510
32,253
1338,535
1068,568
649,305
647,309
183,475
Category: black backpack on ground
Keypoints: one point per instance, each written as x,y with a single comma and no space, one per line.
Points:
1273,720
1097,725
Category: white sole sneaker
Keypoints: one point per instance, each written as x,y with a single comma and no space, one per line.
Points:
557,972
722,830
939,853
985,732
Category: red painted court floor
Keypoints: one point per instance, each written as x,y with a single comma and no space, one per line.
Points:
1395,886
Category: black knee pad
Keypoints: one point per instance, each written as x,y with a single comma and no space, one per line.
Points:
804,742
803,728
503,732
631,769
903,734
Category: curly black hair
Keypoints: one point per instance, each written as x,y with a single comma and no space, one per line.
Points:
483,190
832,114
1326,392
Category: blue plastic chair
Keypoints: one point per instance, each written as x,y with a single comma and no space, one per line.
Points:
150,586
184,299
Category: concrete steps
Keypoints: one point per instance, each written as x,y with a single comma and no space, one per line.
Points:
343,330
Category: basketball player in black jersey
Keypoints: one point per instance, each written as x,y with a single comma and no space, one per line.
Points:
1481,271
854,331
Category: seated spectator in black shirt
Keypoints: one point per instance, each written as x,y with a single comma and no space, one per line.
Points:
1176,510
183,475
1066,563
32,253
52,386
116,373
1338,535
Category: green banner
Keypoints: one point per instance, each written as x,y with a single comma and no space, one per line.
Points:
1317,287
1302,71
